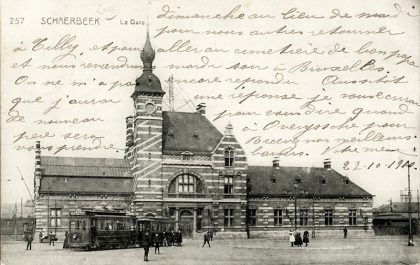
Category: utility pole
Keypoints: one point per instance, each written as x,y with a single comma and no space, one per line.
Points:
48,209
15,221
32,199
295,185
418,208
410,235
55,221
313,209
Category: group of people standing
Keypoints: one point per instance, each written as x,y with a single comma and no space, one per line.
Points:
165,239
208,236
172,239
296,239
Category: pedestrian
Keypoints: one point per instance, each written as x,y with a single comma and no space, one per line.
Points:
211,235
173,238
66,240
247,231
298,240
40,236
29,238
291,237
206,239
165,239
345,232
146,246
179,238
51,237
306,238
156,242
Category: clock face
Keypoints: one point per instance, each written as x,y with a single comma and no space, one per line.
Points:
150,108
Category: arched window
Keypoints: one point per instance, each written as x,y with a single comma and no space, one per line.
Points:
186,183
229,157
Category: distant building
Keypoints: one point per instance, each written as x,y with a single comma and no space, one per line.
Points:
15,221
393,219
325,201
64,184
178,165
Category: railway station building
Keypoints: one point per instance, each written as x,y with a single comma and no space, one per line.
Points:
179,165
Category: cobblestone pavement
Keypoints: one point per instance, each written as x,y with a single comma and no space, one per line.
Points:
379,250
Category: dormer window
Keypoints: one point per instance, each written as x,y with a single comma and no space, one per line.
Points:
186,156
298,179
229,157
346,181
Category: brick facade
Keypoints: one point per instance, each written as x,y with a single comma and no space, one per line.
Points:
178,165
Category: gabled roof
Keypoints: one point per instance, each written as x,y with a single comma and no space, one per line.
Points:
95,185
85,175
84,167
183,131
398,207
335,184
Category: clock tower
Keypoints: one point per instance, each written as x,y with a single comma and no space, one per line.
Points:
147,138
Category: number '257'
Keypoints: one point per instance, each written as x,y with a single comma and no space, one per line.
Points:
16,20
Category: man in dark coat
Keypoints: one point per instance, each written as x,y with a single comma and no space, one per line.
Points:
51,237
146,245
345,232
179,237
156,243
206,239
29,238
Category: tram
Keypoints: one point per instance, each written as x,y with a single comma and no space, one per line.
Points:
154,225
91,230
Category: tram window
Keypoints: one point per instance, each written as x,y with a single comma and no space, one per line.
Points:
83,225
120,225
109,225
73,225
101,224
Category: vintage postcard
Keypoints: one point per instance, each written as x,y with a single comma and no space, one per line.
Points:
210,132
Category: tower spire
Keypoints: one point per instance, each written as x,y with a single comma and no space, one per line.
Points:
148,83
147,54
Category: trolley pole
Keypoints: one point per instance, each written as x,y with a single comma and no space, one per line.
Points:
410,235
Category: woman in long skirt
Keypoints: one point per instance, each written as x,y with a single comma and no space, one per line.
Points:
292,237
306,238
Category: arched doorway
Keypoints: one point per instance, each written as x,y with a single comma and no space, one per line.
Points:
186,222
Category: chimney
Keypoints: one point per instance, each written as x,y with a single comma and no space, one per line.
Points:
276,163
38,172
327,163
201,108
229,129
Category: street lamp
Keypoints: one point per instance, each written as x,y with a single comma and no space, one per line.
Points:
295,185
410,235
